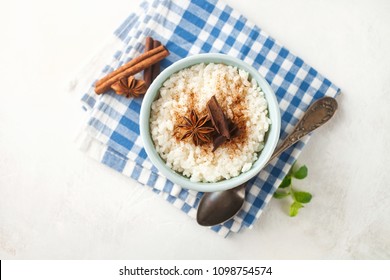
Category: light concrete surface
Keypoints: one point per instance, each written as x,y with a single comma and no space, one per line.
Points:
56,203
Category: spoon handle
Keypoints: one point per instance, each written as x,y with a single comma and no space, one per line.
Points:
317,114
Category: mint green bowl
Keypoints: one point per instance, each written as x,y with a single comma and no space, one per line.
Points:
271,139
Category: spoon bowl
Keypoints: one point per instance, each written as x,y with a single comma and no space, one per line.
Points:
233,200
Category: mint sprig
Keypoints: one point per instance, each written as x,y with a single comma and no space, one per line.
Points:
286,189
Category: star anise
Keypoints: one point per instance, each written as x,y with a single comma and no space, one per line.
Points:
130,87
196,128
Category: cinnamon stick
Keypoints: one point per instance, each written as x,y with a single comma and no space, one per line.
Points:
156,66
148,71
134,66
127,65
219,139
218,117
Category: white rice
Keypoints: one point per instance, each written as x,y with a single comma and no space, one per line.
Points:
241,99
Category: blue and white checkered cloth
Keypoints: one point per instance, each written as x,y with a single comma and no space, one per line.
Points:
111,133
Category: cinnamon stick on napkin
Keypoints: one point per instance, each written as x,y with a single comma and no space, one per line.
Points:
151,72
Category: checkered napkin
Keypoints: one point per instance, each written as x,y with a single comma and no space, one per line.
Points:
111,133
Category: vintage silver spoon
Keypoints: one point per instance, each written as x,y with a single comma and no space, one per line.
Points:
218,207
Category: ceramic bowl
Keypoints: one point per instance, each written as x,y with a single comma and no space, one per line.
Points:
272,134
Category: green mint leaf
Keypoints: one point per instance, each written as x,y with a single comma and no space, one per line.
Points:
294,208
286,182
302,197
280,195
301,173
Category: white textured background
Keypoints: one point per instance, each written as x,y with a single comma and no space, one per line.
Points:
57,203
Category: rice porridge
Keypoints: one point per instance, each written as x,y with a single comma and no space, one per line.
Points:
209,122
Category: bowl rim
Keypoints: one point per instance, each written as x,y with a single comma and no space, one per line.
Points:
265,154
